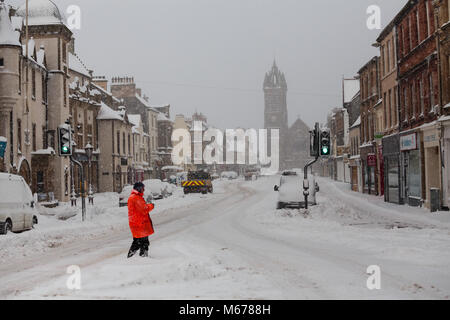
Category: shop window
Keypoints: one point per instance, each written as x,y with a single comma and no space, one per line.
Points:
19,134
414,175
34,142
33,84
40,186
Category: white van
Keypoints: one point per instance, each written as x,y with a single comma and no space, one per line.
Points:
17,212
290,190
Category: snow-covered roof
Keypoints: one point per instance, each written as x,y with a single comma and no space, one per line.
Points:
8,36
162,117
357,123
39,57
41,12
76,65
351,88
135,120
142,100
106,113
105,92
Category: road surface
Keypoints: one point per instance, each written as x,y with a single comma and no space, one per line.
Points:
236,245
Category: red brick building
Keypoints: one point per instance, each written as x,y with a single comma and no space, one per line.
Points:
419,100
370,103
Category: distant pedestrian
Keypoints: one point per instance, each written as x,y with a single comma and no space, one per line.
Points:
140,222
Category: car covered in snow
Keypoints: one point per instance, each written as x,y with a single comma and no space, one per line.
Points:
158,188
126,193
290,190
230,175
17,207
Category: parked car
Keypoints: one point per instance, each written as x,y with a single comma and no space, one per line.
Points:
290,190
230,175
156,187
17,207
126,192
168,189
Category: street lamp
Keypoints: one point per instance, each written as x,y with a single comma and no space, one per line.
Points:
89,151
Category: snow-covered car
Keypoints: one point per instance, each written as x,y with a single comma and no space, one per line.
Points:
290,190
168,189
230,175
17,209
126,192
157,188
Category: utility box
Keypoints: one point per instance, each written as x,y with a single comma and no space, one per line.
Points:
435,199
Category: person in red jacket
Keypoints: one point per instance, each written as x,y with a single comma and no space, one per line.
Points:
140,222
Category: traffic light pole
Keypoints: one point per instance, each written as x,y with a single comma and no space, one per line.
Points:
83,199
306,181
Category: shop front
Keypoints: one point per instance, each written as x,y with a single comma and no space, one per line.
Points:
355,173
445,149
432,163
411,170
391,159
369,165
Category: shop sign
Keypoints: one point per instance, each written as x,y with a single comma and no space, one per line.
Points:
371,160
3,144
408,142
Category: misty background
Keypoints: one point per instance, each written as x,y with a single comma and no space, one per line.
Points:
211,56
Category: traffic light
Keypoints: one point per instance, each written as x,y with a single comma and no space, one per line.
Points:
65,140
325,143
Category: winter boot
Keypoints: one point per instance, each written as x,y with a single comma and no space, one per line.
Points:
144,253
131,253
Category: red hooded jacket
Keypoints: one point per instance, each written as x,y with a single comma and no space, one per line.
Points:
138,215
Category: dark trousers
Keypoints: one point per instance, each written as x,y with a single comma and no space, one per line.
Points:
141,244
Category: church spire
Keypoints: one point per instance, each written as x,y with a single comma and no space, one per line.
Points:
275,78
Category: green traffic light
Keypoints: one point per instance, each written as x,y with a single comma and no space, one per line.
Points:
325,150
65,149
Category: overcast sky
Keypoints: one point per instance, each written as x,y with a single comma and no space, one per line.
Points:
212,55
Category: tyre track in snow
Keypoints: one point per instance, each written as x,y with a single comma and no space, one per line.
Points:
25,274
290,263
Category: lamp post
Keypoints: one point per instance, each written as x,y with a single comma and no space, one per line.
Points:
89,151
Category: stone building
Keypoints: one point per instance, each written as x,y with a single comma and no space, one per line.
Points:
136,102
165,129
355,157
84,105
370,98
442,8
388,129
276,117
116,157
34,96
418,83
140,149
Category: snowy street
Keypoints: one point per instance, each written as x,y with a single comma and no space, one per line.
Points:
234,244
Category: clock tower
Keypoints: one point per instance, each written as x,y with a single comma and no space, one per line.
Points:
275,112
